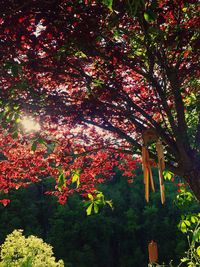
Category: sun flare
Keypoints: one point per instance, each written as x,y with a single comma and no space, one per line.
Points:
30,125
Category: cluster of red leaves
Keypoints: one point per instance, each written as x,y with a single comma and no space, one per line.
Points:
23,166
181,187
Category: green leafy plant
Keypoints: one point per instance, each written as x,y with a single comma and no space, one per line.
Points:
184,198
96,200
32,251
190,225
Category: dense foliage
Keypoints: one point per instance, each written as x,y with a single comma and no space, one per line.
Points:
117,238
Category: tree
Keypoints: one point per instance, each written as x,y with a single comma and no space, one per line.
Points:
79,66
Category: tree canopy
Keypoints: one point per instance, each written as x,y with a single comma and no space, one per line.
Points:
96,75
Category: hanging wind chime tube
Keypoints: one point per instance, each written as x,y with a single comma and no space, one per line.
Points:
148,177
146,173
161,167
148,136
153,252
151,180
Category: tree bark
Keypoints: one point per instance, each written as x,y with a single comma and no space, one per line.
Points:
193,180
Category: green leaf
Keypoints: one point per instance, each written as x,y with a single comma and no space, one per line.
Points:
101,198
187,223
41,141
184,259
196,236
100,195
15,134
109,202
89,209
198,251
108,3
34,146
76,177
98,201
80,54
61,182
167,175
96,208
50,148
97,83
149,16
194,219
182,226
90,196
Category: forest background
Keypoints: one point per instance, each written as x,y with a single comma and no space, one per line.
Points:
117,237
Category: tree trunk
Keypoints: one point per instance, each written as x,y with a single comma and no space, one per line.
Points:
193,180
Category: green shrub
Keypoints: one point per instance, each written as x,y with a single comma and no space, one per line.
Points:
19,251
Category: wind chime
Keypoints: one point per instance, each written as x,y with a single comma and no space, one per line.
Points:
150,136
153,252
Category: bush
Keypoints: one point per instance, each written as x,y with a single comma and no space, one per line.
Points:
19,251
